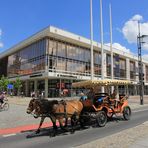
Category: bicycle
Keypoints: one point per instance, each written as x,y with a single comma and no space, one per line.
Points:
4,106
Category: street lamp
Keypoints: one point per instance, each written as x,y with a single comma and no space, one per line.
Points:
140,66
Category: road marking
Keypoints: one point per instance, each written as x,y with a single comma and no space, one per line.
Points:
8,135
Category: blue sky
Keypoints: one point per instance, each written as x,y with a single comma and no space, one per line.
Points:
20,19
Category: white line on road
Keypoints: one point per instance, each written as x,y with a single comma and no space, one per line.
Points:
8,135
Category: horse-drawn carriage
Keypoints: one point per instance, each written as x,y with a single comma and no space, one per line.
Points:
102,105
98,108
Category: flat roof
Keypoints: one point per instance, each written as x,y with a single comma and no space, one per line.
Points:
66,36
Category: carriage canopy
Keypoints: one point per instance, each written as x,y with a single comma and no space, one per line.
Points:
105,82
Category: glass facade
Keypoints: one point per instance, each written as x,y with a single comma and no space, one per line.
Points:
71,58
3,66
108,65
28,60
62,57
146,73
122,65
56,86
116,67
132,70
119,67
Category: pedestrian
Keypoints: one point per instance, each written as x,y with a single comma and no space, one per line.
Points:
33,94
83,96
2,97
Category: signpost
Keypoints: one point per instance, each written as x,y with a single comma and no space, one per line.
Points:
10,86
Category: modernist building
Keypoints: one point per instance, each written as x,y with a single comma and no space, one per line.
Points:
52,59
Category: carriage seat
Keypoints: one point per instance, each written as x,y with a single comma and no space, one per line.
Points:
121,96
99,98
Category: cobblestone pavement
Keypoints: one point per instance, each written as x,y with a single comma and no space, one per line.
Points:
136,137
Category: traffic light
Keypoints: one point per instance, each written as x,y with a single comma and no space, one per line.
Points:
143,76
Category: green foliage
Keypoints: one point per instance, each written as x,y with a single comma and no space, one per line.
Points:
3,83
18,85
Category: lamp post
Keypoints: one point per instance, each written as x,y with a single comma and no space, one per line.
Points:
140,65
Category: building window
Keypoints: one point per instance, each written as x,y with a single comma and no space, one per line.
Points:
108,65
132,70
28,60
146,73
122,65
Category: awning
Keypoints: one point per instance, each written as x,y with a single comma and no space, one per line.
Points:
105,82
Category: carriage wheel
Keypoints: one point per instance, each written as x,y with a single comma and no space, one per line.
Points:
126,113
101,118
6,106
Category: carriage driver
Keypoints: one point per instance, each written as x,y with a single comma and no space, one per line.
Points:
91,94
114,97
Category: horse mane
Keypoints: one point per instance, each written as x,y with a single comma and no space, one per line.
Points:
46,105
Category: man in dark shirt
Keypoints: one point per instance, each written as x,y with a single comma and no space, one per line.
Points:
2,96
91,94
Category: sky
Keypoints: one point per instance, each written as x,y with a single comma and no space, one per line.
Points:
20,19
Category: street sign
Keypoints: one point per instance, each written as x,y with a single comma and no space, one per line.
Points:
10,86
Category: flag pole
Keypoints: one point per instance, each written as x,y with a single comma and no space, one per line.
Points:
91,40
102,51
111,42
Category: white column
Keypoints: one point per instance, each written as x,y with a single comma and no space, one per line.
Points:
46,87
127,69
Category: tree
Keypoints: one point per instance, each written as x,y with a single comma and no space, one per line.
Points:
3,83
18,85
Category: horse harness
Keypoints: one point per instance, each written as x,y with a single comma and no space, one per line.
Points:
65,113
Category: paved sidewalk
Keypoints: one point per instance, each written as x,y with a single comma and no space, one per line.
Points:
140,143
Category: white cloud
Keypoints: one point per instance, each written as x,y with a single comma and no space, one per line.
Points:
0,32
145,57
137,17
119,47
1,45
130,29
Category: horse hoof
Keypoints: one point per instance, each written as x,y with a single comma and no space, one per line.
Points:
37,132
52,135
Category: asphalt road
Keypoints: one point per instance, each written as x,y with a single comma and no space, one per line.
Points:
16,116
67,140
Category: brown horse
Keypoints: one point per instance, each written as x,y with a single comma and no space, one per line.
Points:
33,104
64,109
